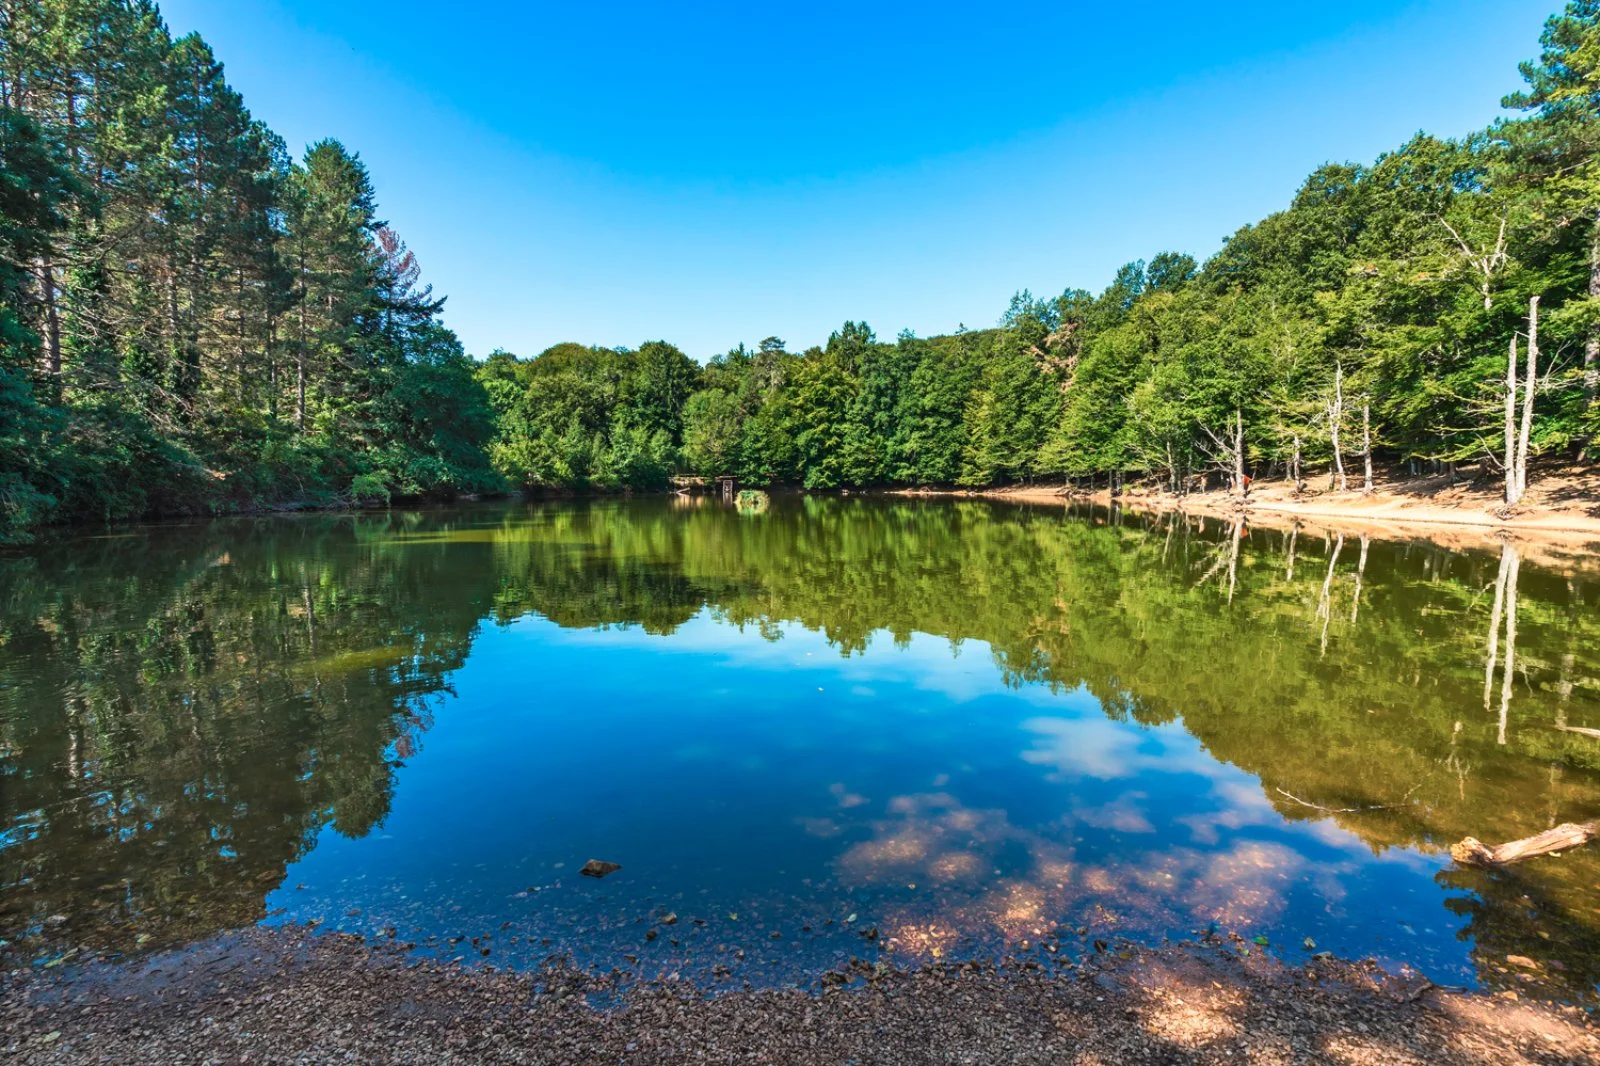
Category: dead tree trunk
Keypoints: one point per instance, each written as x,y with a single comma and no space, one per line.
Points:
1530,385
1366,444
1335,417
1518,435
1239,481
1473,852
1511,425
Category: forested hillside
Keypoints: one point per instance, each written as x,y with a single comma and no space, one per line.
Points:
191,321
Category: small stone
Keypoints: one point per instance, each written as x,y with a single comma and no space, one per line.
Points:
599,868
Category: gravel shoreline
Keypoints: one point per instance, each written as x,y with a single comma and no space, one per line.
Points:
288,996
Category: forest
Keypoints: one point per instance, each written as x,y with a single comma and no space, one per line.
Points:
194,321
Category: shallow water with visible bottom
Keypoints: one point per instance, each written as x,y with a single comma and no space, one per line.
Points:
836,728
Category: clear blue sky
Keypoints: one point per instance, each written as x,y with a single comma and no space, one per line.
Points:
708,174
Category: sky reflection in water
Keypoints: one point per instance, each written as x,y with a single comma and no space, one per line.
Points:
842,729
763,786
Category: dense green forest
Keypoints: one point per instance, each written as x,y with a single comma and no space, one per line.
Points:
192,321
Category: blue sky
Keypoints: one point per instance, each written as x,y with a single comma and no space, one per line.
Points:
615,173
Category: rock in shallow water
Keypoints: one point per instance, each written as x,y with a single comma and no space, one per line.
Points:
598,868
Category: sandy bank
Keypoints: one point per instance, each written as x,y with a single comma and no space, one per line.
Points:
1561,505
276,996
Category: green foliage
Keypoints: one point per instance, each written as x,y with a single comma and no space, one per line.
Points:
1384,296
576,417
713,422
190,322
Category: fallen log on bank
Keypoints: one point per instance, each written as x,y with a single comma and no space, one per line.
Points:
1474,852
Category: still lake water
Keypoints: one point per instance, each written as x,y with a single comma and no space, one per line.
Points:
967,727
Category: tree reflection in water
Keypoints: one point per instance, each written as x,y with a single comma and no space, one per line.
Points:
185,711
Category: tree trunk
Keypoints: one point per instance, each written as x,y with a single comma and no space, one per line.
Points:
1591,345
1530,385
52,319
1335,417
1239,481
1366,444
1473,852
1511,494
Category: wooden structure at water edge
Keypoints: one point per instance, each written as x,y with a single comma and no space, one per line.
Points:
686,485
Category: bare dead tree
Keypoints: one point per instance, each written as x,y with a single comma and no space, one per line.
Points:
1335,413
1486,262
1519,431
1366,443
1227,451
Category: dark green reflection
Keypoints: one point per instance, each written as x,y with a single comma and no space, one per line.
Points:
184,709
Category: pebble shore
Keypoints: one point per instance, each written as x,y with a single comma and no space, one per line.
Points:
289,996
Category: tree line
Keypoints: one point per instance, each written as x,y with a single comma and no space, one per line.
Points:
191,320
1390,314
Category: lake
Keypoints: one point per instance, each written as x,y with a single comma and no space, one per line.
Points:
887,729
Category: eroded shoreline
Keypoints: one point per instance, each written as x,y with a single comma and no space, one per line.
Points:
284,995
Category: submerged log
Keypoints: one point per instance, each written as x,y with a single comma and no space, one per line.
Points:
1580,730
1474,852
